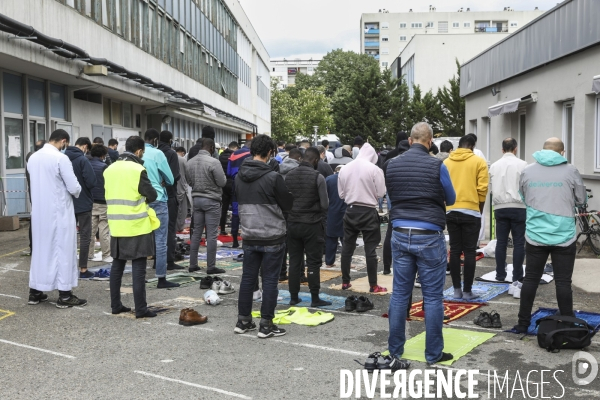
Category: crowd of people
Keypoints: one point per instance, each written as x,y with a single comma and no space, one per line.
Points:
303,201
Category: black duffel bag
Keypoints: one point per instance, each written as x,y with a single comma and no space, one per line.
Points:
557,332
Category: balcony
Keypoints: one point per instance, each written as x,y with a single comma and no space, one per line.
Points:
375,56
371,31
491,29
372,44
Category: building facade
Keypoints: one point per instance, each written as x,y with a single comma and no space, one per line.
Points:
114,68
285,71
384,35
532,95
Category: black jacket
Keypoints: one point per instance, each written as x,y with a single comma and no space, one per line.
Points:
401,149
98,191
324,169
113,154
86,178
303,182
224,159
193,152
173,165
262,197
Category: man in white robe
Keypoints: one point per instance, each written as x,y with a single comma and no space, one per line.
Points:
54,233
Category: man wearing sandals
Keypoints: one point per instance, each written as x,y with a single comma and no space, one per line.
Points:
419,187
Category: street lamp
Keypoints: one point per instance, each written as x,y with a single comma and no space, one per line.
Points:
316,129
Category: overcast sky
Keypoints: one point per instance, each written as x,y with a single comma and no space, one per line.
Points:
311,28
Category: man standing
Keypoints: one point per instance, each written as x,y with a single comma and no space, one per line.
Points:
509,209
226,199
323,168
164,145
182,190
289,163
335,219
99,210
358,144
262,196
235,162
551,189
128,192
306,233
469,174
159,173
446,148
328,154
54,256
195,149
360,184
113,154
479,153
85,202
205,176
420,188
280,146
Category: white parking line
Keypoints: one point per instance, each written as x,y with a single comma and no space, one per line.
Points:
503,302
474,327
36,348
196,327
312,346
164,378
9,295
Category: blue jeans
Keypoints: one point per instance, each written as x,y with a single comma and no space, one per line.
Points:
427,255
331,245
510,220
269,258
160,236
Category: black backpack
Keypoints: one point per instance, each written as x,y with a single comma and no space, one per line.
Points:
557,332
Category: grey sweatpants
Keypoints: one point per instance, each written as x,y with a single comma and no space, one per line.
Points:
207,212
183,203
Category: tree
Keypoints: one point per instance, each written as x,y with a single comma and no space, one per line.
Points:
314,109
285,124
452,107
338,67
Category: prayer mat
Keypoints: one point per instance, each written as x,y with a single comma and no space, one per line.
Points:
491,276
183,278
108,267
337,302
227,265
325,275
458,342
300,316
361,285
453,310
486,291
591,318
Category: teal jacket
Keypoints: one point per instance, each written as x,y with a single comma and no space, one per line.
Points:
551,189
158,169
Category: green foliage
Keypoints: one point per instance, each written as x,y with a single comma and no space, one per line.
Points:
452,107
284,118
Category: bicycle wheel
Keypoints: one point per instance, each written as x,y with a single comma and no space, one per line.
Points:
594,222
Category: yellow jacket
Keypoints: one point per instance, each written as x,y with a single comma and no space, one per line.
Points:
469,175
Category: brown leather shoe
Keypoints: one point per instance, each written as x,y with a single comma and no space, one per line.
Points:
191,317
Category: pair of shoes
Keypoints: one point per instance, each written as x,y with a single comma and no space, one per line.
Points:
191,317
377,289
194,269
147,314
484,320
72,301
269,330
360,304
222,287
163,283
108,259
418,281
445,357
102,274
515,289
208,281
173,267
549,269
37,298
496,322
86,275
283,278
387,271
346,286
257,296
123,309
215,270
243,327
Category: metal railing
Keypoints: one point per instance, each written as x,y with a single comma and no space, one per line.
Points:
491,29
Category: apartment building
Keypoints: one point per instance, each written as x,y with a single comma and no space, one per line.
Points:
285,71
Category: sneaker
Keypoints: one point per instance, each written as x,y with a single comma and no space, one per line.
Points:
86,275
371,362
243,327
226,288
418,281
70,302
448,269
215,270
549,269
395,364
445,357
37,298
346,286
511,288
108,259
377,289
271,330
194,269
216,286
517,291
351,303
484,320
520,329
363,304
257,296
173,267
283,278
206,282
496,322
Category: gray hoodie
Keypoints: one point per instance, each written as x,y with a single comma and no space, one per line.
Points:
287,165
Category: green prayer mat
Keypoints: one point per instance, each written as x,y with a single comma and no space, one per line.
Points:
300,316
226,265
458,342
183,278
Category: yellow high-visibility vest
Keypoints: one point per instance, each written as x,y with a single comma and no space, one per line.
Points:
127,210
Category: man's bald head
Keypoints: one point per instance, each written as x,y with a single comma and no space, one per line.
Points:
421,133
554,144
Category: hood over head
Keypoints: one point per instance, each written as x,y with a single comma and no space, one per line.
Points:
400,136
74,152
403,146
368,153
549,158
461,154
340,152
252,170
287,165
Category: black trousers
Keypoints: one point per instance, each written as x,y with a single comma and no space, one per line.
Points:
225,203
85,236
563,261
356,220
463,230
173,207
387,248
138,273
305,238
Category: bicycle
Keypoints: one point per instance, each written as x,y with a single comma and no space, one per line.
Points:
589,225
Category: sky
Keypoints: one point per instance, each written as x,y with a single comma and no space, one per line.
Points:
311,28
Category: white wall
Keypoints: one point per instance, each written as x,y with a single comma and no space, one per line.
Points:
85,114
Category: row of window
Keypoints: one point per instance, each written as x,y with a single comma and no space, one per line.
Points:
419,25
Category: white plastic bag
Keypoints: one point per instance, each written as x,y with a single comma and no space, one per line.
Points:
490,249
211,297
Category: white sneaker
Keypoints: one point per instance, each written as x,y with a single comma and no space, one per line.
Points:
511,288
108,259
517,291
216,286
226,288
257,296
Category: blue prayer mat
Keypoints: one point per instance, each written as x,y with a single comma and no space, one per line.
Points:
486,291
591,318
337,302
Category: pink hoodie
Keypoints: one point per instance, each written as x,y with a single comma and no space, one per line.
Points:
361,182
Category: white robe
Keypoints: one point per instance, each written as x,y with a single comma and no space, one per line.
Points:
53,226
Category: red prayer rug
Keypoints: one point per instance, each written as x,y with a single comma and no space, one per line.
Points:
453,310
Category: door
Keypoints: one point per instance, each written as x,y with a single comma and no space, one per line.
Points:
522,129
37,131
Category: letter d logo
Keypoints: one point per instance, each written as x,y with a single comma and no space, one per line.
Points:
583,363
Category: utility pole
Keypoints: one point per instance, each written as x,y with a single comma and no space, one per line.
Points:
316,129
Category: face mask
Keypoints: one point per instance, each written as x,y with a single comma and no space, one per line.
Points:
64,149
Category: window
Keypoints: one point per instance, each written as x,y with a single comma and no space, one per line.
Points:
403,38
385,38
384,64
57,101
514,24
181,41
429,25
13,93
416,25
567,135
402,25
105,12
106,111
13,138
88,8
116,113
37,98
385,25
456,25
385,50
597,136
443,27
118,16
521,142
467,25
71,3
